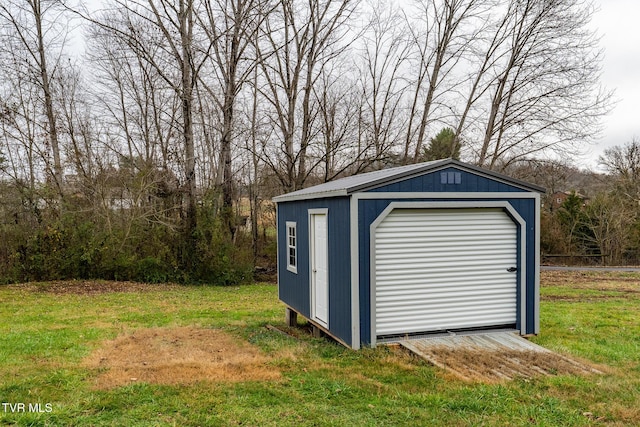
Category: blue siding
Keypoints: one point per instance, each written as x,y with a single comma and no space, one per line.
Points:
369,210
294,289
432,182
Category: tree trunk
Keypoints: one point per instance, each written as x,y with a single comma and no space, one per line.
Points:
186,38
48,100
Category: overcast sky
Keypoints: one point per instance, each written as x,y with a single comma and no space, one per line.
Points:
617,22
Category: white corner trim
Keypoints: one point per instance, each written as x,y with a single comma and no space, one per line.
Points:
355,274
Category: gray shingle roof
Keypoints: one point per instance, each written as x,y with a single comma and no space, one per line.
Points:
369,180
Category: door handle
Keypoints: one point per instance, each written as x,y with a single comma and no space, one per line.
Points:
512,269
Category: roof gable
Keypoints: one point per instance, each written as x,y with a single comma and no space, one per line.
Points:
371,180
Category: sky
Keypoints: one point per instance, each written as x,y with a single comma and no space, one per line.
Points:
617,22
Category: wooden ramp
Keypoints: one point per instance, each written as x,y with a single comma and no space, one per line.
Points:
493,356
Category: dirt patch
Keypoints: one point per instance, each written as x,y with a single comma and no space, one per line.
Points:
581,298
178,356
603,285
591,279
89,287
298,331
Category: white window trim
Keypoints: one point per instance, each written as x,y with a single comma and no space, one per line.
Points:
291,267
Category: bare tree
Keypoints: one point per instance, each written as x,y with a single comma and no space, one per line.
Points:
76,125
298,41
544,90
231,26
382,81
440,37
254,169
623,163
36,31
553,175
337,101
482,55
141,112
24,154
162,34
135,180
610,220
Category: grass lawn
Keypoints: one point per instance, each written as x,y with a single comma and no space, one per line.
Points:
60,341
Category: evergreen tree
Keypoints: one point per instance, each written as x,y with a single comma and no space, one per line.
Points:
575,223
442,146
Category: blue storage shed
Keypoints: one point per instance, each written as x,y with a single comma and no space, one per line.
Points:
418,249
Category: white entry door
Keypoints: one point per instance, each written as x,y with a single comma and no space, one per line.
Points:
319,268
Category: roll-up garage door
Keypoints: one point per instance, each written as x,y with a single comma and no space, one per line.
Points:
444,269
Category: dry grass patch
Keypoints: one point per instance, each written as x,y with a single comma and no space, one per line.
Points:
182,355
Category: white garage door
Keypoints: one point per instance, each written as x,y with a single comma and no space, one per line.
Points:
443,269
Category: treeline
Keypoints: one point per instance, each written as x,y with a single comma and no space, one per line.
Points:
154,154
590,218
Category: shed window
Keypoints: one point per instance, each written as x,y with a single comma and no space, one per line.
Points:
450,178
292,247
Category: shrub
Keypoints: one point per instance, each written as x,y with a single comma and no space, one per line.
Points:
120,245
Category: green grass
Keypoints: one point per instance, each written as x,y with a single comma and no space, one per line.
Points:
44,337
